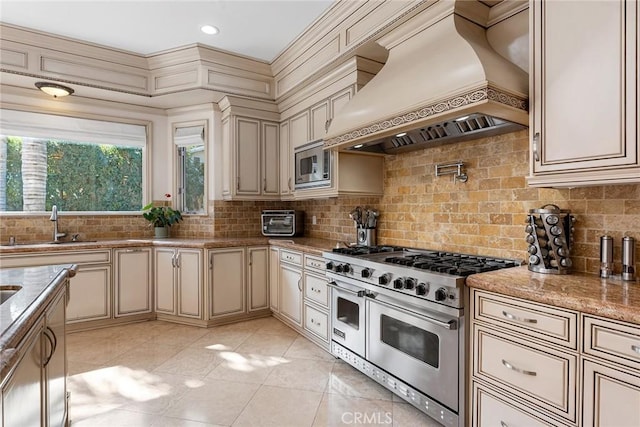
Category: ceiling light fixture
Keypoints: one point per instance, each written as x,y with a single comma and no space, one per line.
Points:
400,135
358,146
209,29
54,89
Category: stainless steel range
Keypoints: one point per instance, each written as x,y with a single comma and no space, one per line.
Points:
398,317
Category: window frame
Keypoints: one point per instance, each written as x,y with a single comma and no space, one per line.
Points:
147,156
178,201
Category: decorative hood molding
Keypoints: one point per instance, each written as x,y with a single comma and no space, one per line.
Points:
440,70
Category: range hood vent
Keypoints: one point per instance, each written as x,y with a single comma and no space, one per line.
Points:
462,129
442,83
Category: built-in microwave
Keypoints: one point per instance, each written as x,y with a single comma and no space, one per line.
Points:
313,166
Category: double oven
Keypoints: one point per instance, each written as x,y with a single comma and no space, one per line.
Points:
402,324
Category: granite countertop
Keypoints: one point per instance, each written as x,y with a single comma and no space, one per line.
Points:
306,244
587,293
20,312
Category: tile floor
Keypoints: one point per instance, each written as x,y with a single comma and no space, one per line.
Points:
253,373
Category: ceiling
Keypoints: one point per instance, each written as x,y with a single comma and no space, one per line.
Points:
259,29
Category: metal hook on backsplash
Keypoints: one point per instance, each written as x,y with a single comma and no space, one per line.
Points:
454,169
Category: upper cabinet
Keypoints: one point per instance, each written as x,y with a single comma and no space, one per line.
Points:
250,150
584,86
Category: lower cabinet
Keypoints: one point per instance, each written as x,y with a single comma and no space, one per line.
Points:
227,282
274,272
179,282
527,368
90,294
258,278
132,279
35,391
290,288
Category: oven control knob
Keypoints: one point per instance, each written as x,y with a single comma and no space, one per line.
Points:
339,268
441,294
329,265
422,289
384,279
366,273
398,283
410,283
347,268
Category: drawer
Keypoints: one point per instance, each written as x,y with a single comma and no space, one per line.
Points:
489,410
315,289
614,341
70,257
314,262
543,375
316,322
540,321
291,257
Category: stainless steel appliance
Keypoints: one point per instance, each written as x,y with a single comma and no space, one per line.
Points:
284,223
398,317
312,166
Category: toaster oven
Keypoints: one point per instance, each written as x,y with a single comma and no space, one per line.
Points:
285,223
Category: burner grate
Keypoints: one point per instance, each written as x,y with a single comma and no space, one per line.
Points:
450,263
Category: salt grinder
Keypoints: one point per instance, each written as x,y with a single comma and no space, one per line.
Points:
628,258
606,256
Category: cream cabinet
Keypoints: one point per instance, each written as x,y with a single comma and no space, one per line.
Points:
286,162
299,129
274,273
133,281
258,278
585,93
178,283
250,157
227,282
34,393
290,286
316,298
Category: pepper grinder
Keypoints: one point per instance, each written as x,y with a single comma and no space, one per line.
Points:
606,256
628,258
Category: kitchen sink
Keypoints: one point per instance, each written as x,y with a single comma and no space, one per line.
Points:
7,291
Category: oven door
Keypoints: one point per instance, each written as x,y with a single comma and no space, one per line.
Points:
419,349
348,316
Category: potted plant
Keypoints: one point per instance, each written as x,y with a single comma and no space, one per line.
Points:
161,217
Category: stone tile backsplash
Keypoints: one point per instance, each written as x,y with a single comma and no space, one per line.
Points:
485,215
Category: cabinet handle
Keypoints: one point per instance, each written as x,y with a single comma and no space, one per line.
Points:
503,424
250,258
636,348
299,285
54,344
133,250
518,319
289,184
238,184
177,260
173,260
536,139
264,185
518,370
211,262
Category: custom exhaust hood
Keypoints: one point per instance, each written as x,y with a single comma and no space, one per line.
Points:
442,83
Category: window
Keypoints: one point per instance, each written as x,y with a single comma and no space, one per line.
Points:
191,161
77,164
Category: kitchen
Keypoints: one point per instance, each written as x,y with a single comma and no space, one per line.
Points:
485,215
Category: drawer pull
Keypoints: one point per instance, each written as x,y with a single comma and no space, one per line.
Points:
636,348
518,319
520,371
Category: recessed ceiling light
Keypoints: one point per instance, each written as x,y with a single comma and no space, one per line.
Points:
209,29
358,146
400,135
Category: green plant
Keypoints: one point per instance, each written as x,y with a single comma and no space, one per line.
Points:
161,216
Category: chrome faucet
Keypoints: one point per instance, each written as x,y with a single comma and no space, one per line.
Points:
54,218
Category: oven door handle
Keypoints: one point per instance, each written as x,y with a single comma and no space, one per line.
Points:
349,291
451,324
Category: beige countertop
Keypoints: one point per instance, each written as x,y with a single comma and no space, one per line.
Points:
587,293
19,313
306,244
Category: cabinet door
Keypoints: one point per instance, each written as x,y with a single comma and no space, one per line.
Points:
286,161
291,293
258,284
299,130
248,156
164,280
227,154
56,367
339,100
274,273
132,281
22,392
190,286
584,86
227,282
318,119
270,159
611,396
90,294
